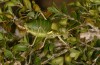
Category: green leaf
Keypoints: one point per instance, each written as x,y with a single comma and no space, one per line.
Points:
9,4
95,1
51,48
68,58
1,36
63,22
64,8
93,12
84,57
39,27
37,61
54,26
78,3
0,10
53,9
72,40
99,8
90,53
74,53
27,4
16,2
57,61
8,54
31,14
20,47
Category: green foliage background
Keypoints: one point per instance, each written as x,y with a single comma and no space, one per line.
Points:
28,36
